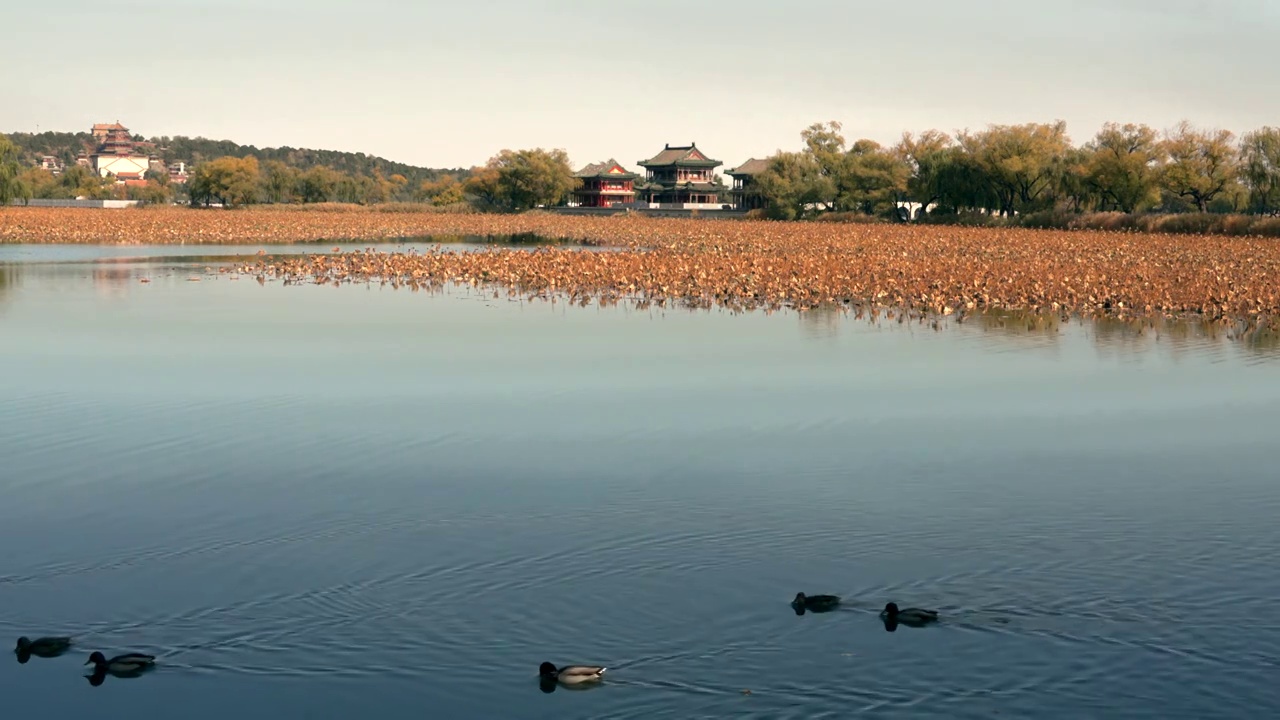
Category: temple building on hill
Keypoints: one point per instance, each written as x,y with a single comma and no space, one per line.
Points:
744,193
682,177
102,130
604,184
51,164
117,154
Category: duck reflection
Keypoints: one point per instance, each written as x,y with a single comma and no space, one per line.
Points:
99,675
549,685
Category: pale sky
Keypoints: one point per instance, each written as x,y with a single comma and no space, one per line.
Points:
442,83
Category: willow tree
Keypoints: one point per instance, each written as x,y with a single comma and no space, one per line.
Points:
229,180
925,158
874,178
1260,169
1123,167
1021,164
1201,164
10,170
792,183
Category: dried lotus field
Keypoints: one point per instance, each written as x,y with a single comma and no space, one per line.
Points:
736,264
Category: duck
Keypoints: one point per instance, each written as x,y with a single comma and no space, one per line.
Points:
126,663
908,616
815,603
43,647
571,674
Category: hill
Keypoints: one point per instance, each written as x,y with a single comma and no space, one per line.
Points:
192,151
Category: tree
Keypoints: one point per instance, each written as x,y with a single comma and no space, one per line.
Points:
229,180
925,157
1260,169
78,181
319,184
824,143
40,183
873,178
792,183
445,191
1123,167
279,182
1201,165
10,187
483,186
154,192
1021,164
524,179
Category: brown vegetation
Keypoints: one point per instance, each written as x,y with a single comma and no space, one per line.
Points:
740,265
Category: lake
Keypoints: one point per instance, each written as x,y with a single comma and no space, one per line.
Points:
318,501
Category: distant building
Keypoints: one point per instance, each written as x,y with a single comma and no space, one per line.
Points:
51,164
604,184
117,154
745,194
102,130
177,172
681,176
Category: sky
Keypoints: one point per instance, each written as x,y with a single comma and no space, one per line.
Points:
442,83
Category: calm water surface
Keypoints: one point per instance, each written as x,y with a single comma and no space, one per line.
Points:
358,501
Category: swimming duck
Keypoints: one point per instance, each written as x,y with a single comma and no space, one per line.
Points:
815,603
908,616
571,674
43,647
126,663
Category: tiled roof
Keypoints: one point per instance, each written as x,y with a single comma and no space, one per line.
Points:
750,167
602,169
680,155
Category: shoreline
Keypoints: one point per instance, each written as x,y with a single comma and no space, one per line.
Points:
924,269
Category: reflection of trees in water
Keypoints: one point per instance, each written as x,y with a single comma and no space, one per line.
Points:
1019,327
1265,341
112,281
822,321
1182,337
1124,337
10,278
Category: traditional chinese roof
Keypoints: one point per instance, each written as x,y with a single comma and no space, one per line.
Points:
109,126
128,176
682,156
750,167
609,168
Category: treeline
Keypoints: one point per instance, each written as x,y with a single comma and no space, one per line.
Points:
290,174
195,151
1025,170
511,181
